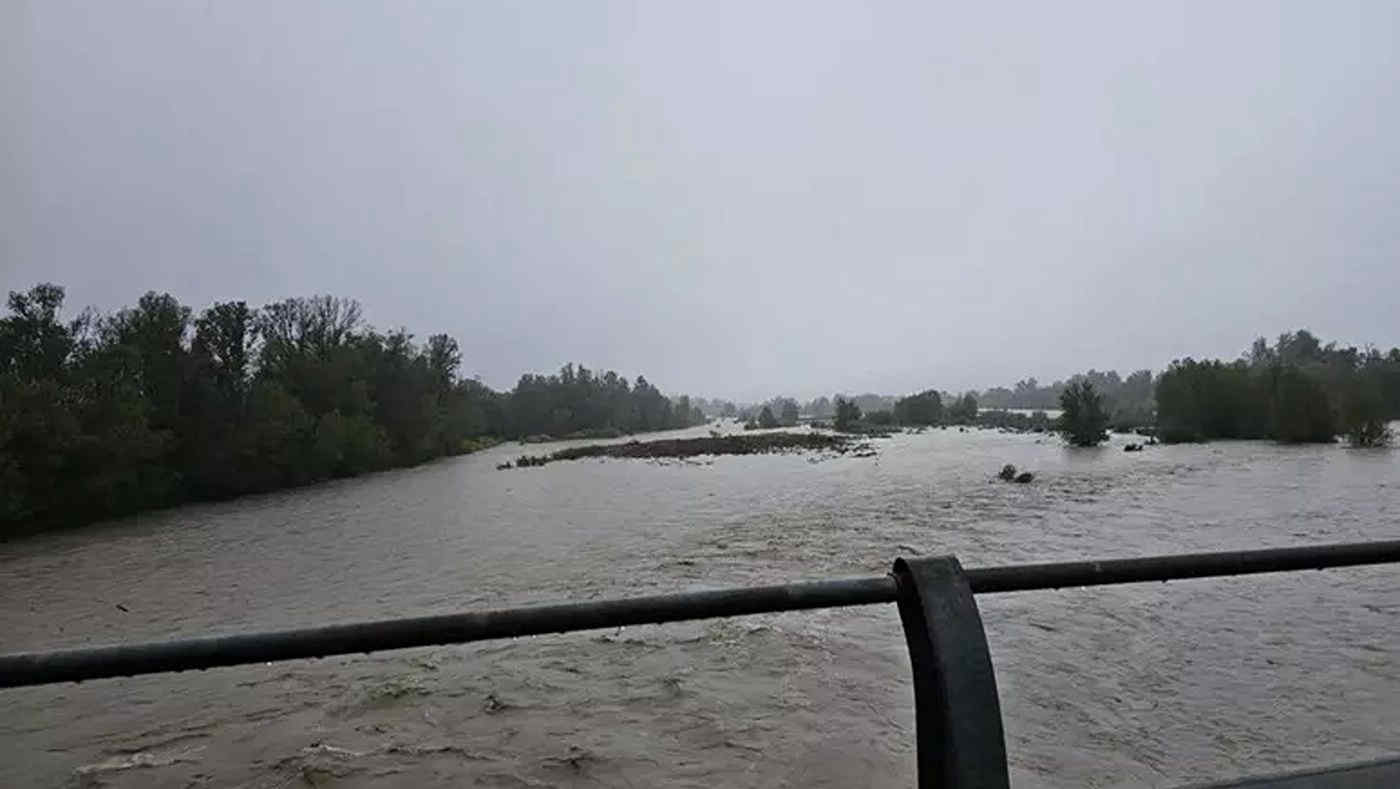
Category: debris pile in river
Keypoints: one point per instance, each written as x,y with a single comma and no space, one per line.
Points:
742,444
1008,474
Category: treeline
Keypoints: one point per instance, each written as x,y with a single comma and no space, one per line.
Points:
931,408
875,412
152,405
825,408
1296,390
1130,401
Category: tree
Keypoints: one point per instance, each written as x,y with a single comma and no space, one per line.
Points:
1301,411
790,413
1132,404
924,408
820,408
33,344
1083,420
766,419
225,338
847,413
443,360
1364,418
1199,401
155,329
215,379
964,410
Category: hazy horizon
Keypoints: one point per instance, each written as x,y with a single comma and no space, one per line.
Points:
735,201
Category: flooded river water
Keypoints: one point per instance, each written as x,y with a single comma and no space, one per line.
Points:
1145,685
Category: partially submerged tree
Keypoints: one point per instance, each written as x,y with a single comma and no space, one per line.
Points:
791,412
1364,417
847,413
1083,418
1301,412
766,419
924,408
963,411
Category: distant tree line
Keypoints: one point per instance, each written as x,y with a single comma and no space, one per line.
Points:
716,407
154,405
1128,401
1295,390
922,409
873,412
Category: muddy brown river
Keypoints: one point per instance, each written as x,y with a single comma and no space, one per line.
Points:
1144,685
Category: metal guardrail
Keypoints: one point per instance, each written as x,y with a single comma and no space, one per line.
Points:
958,715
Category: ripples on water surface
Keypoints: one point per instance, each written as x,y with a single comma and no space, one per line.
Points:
1122,686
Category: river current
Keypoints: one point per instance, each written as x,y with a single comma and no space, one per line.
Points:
1142,685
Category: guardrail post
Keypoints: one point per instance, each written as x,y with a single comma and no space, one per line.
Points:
957,714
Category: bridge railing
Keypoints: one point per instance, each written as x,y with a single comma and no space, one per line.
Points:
957,711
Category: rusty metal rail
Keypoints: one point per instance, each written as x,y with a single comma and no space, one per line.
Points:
957,708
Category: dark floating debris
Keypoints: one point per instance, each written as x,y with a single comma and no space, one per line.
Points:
1008,474
494,705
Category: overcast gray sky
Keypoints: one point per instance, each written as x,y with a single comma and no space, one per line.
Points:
736,199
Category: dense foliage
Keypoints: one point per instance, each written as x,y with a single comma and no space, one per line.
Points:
963,410
766,420
152,405
1297,390
924,408
1083,419
847,413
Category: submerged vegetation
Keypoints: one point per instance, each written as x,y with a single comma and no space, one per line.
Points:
739,444
1295,391
152,405
1083,419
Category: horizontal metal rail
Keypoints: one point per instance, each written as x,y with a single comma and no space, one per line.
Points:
74,665
1027,577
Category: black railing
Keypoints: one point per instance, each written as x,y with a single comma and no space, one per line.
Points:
956,704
